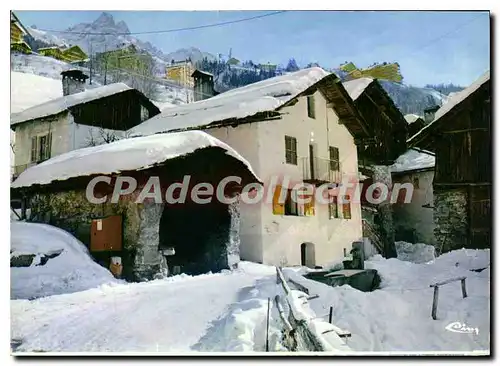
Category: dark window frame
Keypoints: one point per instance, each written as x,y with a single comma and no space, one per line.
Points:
311,110
290,150
334,158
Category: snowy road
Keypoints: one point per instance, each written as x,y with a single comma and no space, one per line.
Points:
173,315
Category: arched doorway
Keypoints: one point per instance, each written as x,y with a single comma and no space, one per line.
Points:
307,255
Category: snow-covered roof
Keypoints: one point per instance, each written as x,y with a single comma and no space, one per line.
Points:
413,160
455,100
28,90
263,96
201,72
410,118
356,87
61,104
123,155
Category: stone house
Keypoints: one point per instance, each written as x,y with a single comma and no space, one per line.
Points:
79,118
143,225
414,220
301,126
460,137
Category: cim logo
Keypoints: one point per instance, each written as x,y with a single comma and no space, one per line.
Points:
458,327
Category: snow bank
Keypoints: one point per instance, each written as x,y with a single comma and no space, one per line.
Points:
266,95
70,271
415,253
413,160
356,87
123,155
397,317
61,104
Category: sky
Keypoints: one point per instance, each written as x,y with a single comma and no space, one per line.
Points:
431,47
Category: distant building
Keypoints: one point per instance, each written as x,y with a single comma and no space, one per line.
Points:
18,34
384,71
203,85
80,118
125,59
73,54
181,72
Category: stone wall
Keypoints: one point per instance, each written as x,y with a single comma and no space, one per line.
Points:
450,217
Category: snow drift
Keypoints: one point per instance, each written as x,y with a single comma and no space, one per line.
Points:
68,269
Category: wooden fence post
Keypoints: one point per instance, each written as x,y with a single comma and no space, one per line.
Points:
267,324
464,291
435,302
330,316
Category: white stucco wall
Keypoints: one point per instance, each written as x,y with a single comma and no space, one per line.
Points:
276,239
412,216
59,128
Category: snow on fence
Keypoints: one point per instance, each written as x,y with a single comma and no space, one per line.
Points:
435,297
302,330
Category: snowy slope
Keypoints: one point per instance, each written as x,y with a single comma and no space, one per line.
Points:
214,312
70,271
397,317
266,95
123,155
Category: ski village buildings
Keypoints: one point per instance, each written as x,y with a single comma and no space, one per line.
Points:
302,127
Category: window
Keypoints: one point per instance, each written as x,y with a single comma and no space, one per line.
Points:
346,207
333,209
291,204
291,150
144,113
415,182
334,159
41,148
311,113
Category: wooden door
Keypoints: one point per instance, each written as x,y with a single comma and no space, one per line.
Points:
106,234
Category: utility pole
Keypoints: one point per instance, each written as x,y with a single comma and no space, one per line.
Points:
105,65
90,48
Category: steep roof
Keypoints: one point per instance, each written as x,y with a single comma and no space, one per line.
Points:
411,118
123,155
266,96
452,103
61,104
356,87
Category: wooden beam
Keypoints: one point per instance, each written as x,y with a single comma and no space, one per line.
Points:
466,130
380,109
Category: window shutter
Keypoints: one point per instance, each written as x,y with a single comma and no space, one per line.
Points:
49,145
34,149
346,208
278,208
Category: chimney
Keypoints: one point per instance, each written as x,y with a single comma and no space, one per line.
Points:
73,81
203,85
429,114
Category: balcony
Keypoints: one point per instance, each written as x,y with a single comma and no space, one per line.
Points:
318,171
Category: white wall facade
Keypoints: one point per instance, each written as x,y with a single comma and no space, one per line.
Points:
276,239
413,216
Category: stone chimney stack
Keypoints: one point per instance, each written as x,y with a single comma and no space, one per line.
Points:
73,81
429,114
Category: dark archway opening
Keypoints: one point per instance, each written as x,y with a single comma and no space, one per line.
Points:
199,235
307,255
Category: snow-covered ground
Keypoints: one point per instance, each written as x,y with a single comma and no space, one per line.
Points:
68,267
397,317
213,312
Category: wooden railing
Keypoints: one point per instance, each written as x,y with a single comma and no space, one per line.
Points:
370,232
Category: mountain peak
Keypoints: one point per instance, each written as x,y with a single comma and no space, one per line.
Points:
105,19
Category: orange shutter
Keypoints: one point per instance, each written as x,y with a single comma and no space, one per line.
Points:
278,208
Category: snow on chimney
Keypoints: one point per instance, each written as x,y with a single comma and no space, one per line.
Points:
73,81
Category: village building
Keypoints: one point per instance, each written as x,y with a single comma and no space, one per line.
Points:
414,220
18,35
386,141
181,72
203,85
79,118
72,54
124,59
415,123
460,137
303,126
149,226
